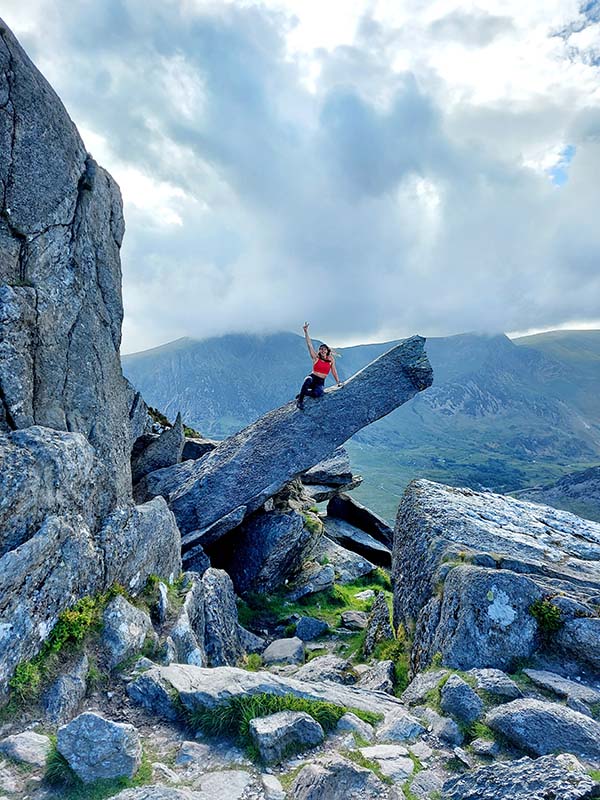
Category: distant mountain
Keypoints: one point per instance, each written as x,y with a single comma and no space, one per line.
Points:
578,492
501,415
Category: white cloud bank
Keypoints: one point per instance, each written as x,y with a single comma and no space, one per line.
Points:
378,168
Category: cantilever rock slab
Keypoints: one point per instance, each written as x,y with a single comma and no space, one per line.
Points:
248,468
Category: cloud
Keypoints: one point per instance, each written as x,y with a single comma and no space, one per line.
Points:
477,29
378,187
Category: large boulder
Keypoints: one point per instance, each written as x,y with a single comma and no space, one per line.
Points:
336,778
485,563
266,550
241,471
97,748
284,733
548,777
156,688
539,727
61,230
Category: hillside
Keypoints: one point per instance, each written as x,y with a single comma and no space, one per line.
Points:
501,415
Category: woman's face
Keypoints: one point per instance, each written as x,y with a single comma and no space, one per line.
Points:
323,351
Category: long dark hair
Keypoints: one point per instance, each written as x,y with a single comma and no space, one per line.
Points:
327,358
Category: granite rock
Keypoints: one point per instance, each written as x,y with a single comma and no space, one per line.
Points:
96,748
539,728
526,779
284,733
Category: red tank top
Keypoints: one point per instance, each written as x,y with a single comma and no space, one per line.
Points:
322,366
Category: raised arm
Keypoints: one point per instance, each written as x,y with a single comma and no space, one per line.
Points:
309,344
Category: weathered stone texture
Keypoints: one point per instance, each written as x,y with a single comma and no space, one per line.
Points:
96,748
61,227
484,559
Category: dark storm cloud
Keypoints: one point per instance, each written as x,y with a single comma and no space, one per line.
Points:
369,204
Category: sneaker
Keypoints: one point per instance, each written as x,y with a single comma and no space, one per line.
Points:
299,404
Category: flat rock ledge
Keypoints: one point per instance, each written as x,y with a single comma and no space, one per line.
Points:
201,687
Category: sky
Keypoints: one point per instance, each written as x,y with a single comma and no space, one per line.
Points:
378,168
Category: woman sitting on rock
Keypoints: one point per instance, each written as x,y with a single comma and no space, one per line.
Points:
323,363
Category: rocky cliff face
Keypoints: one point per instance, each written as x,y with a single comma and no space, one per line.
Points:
67,415
61,227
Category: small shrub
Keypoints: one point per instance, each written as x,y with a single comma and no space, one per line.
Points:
252,662
313,523
290,630
548,616
159,417
74,624
26,680
192,433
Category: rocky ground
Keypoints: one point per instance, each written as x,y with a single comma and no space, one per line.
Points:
271,667
433,738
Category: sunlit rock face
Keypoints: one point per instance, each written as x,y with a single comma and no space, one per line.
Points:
469,567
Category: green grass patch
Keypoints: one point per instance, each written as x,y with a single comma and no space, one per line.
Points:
252,662
258,611
312,522
478,730
61,778
594,774
232,718
398,651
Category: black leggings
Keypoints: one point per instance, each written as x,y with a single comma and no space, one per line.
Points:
313,385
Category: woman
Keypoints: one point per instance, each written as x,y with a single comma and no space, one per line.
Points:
323,363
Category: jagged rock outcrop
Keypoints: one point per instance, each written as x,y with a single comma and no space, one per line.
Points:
68,418
43,472
64,561
160,451
61,227
484,560
357,541
330,477
241,471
